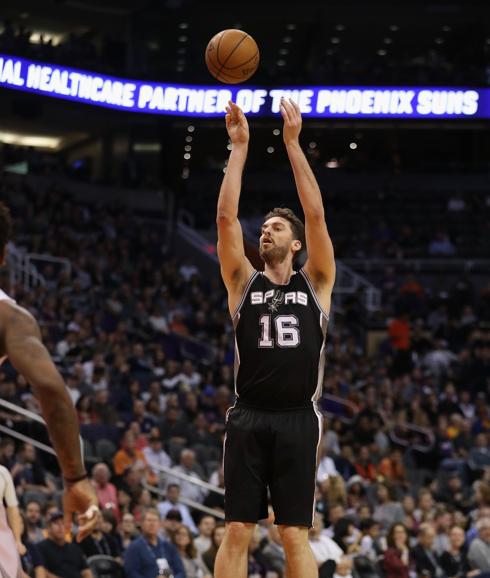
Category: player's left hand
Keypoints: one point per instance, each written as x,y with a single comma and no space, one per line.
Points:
81,498
292,121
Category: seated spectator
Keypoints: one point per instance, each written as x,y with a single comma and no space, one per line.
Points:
149,556
441,246
100,544
173,428
128,530
365,466
273,552
426,506
155,454
479,552
172,503
454,561
31,476
154,393
424,555
32,563
109,527
443,522
209,557
62,558
139,415
205,529
326,469
128,455
188,466
33,518
326,552
387,512
369,545
347,536
335,513
170,524
257,566
213,499
392,468
193,564
105,490
479,457
396,560
7,456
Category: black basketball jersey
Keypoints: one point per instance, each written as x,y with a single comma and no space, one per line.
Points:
280,335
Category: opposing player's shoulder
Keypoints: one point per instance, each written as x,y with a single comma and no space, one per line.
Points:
10,313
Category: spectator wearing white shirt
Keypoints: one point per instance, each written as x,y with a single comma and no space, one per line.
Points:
187,466
155,454
327,553
188,376
155,392
172,503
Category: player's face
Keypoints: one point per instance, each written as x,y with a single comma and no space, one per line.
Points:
276,240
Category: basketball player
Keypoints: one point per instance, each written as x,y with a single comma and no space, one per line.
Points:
280,318
20,341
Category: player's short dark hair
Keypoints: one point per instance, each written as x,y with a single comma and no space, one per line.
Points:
5,226
296,223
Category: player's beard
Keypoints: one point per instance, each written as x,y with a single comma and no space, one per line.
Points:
273,254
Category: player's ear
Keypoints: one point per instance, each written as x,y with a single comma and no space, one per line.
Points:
297,246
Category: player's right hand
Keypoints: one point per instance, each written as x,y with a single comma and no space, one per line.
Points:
80,498
236,124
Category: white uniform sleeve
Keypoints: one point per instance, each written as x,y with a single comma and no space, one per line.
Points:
7,488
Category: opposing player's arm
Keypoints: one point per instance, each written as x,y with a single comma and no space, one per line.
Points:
235,267
26,352
320,264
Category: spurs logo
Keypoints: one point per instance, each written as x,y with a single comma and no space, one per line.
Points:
277,299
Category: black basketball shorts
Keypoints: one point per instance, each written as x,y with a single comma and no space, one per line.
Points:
275,450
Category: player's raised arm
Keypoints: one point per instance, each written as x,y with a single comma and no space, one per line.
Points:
320,264
26,352
236,269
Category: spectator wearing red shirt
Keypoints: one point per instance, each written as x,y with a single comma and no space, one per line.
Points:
396,561
105,490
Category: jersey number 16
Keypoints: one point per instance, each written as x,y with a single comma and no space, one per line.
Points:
286,331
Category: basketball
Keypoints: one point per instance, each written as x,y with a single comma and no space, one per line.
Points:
232,56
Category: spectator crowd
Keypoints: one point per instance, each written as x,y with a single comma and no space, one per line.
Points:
144,342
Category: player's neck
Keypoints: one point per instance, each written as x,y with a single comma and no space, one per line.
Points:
279,273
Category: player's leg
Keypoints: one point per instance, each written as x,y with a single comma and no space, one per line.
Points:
245,460
300,562
292,485
232,557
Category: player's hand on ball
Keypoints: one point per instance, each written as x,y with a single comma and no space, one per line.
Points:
81,498
236,124
292,121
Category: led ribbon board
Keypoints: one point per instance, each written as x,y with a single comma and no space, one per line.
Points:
208,101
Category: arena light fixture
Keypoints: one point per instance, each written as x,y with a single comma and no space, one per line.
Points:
47,36
30,140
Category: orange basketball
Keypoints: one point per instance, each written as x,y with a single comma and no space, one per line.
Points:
232,56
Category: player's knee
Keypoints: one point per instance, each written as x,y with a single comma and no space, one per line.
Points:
293,537
238,534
